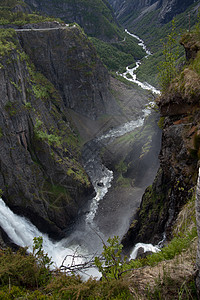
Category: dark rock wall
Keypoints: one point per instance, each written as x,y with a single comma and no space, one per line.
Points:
166,9
170,8
177,176
69,61
40,162
198,231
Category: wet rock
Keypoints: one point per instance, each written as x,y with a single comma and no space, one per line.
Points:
41,172
142,254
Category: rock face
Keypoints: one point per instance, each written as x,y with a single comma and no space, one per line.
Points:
198,230
95,16
177,175
69,61
170,8
41,175
165,9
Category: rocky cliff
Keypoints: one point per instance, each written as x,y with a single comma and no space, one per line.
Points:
176,178
165,10
67,58
41,175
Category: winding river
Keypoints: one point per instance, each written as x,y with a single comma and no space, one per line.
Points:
85,239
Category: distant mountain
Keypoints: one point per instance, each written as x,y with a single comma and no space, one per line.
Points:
166,9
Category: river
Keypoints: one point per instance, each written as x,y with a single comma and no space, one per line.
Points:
87,237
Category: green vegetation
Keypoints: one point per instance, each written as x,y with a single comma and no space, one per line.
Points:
121,169
11,108
117,56
30,277
154,36
42,87
110,264
57,195
28,105
20,269
167,67
161,122
8,16
112,58
42,134
7,41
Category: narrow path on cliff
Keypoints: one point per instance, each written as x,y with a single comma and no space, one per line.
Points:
44,29
85,239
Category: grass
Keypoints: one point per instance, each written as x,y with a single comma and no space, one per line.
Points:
167,274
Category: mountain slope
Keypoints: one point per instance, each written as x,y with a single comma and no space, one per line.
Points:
41,174
94,16
164,10
177,176
151,21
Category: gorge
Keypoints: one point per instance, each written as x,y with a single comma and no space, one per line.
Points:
79,147
84,236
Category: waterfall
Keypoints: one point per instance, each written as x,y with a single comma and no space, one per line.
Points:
146,248
21,231
84,237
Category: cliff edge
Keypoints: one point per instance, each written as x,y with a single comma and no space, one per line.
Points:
176,178
45,71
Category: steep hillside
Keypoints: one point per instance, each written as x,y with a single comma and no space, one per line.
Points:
40,166
151,21
129,12
95,16
177,176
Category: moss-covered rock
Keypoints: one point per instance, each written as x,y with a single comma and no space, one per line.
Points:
41,174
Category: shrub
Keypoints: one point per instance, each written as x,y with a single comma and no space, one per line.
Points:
24,270
167,68
110,264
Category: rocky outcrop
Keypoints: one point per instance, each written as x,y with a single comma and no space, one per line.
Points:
171,8
123,8
131,12
198,231
41,174
176,178
67,58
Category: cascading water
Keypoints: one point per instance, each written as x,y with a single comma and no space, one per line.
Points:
85,237
130,72
145,247
22,232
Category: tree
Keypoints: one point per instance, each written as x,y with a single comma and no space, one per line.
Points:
110,264
167,68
